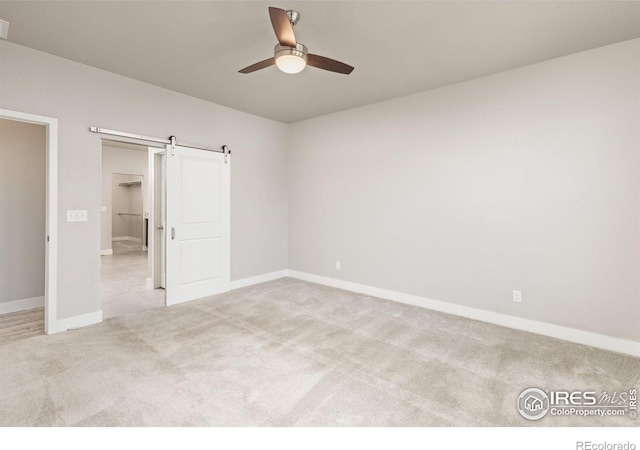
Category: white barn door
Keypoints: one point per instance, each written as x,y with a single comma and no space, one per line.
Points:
198,224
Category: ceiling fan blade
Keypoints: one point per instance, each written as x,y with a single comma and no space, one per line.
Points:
282,27
258,65
328,64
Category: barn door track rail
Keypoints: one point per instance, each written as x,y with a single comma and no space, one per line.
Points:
171,140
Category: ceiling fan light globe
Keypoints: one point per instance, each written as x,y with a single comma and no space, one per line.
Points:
290,59
290,63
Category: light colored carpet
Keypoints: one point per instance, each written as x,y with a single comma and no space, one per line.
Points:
290,352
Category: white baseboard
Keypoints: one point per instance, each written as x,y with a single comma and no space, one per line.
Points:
149,283
106,251
21,305
505,320
74,322
236,284
126,238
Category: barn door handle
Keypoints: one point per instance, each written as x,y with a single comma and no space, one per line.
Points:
173,233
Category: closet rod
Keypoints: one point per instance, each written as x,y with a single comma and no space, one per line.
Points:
225,149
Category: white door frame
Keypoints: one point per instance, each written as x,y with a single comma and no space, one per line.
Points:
51,227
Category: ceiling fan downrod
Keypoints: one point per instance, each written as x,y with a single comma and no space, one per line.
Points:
294,16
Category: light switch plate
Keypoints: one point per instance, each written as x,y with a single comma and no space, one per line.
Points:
76,215
103,208
4,29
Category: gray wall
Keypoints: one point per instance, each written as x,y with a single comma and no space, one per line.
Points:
80,96
22,202
120,161
528,180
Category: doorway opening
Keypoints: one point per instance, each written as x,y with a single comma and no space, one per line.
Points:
23,198
126,210
28,195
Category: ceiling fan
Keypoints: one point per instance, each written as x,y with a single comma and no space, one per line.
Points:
289,55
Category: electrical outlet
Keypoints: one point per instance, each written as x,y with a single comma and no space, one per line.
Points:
338,265
77,215
517,296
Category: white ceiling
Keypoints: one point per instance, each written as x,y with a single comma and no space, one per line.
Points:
397,48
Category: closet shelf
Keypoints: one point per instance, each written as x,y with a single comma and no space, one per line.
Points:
130,183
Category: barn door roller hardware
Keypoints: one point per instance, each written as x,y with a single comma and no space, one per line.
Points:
172,140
